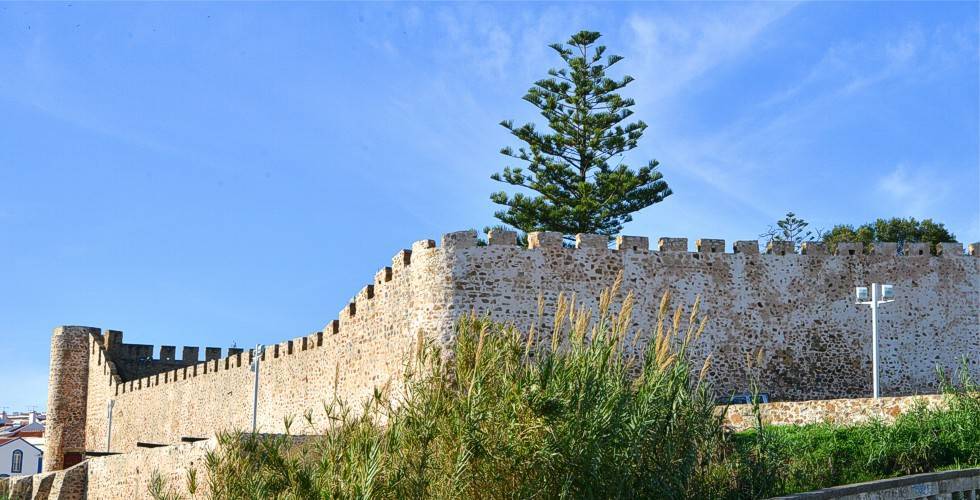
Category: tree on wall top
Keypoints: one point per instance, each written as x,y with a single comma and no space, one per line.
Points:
581,184
790,228
895,229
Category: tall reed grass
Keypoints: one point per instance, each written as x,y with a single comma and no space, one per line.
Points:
573,410
568,411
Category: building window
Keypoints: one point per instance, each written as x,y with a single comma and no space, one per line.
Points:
17,462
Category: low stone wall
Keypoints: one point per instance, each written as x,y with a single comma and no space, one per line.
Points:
948,485
67,484
129,475
835,411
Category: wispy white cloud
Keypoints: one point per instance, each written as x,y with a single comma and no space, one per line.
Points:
673,51
670,55
738,158
913,191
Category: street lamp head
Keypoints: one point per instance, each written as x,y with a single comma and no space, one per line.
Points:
861,293
887,292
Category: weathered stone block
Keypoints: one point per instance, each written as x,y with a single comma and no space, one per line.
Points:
382,276
747,247
705,245
20,487
949,249
422,245
168,352
366,293
459,239
672,244
189,354
916,249
850,248
593,241
544,239
884,248
633,243
501,237
42,484
212,353
813,248
113,338
781,248
401,260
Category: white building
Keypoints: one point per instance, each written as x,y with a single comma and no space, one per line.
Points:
28,426
18,457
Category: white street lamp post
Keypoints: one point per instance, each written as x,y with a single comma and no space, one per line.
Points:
887,295
108,434
257,356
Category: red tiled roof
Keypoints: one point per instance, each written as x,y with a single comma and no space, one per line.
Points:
35,434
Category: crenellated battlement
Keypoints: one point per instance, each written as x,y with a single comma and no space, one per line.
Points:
191,367
547,239
133,361
794,304
136,367
133,367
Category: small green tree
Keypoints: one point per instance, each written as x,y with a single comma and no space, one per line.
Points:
895,229
790,228
581,183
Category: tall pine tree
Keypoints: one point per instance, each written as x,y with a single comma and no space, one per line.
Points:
576,170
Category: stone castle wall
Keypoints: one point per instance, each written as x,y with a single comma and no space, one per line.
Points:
797,308
364,348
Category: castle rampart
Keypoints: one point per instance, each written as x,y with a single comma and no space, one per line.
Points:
67,397
798,309
134,361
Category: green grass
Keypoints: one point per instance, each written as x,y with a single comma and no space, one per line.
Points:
572,411
816,456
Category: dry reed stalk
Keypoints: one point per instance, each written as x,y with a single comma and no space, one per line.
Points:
561,313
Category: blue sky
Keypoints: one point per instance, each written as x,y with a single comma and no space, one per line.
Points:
205,174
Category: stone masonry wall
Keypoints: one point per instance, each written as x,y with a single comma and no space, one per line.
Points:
797,308
126,475
364,349
67,484
67,397
129,475
830,411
